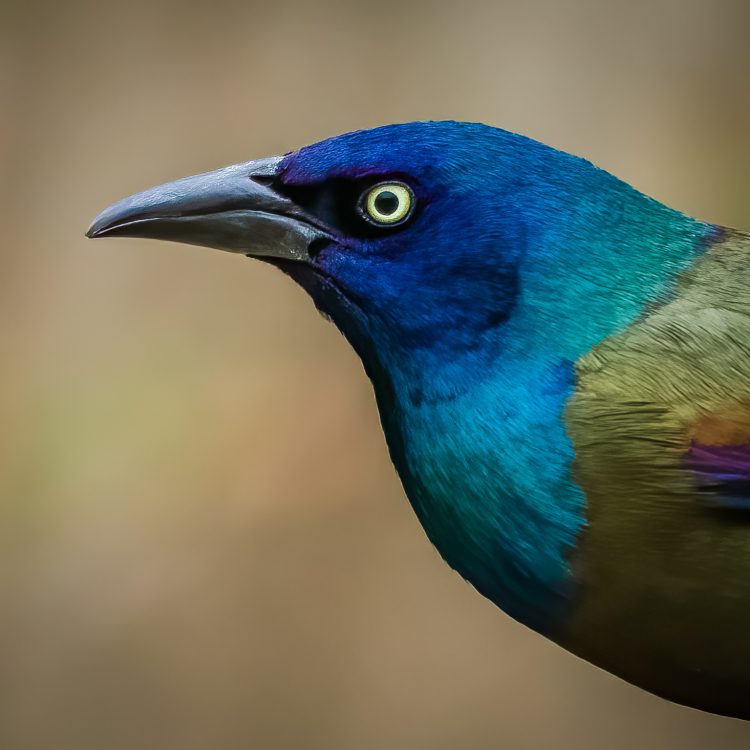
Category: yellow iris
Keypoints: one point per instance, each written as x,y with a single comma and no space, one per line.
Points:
388,203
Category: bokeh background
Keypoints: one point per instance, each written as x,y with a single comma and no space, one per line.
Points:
202,541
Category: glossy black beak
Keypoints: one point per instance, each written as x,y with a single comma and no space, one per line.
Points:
232,209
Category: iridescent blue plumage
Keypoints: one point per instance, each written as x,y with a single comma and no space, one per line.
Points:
469,324
562,369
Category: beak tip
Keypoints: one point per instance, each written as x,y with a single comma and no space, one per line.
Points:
101,225
96,227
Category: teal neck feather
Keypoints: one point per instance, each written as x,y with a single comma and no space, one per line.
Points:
480,441
470,321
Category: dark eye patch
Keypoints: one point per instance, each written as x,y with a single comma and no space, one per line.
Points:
337,203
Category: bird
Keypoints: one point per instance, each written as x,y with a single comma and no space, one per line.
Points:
561,366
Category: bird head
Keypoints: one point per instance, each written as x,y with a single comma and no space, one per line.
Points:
431,245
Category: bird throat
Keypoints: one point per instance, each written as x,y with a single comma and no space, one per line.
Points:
488,475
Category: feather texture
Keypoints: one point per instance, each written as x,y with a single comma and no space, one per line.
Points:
660,424
562,369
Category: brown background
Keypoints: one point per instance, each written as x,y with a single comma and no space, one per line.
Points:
202,542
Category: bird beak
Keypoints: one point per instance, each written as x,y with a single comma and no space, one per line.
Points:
230,209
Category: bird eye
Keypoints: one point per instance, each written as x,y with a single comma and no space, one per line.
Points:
388,203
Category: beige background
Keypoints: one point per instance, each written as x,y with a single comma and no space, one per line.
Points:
202,542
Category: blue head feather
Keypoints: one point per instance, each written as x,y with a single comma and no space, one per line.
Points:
469,318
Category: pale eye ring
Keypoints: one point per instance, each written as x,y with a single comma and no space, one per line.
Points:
387,203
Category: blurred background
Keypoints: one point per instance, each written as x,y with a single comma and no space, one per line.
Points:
202,541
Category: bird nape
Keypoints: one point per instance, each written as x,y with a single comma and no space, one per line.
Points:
562,369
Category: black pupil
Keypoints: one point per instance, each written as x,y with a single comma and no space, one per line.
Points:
386,203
